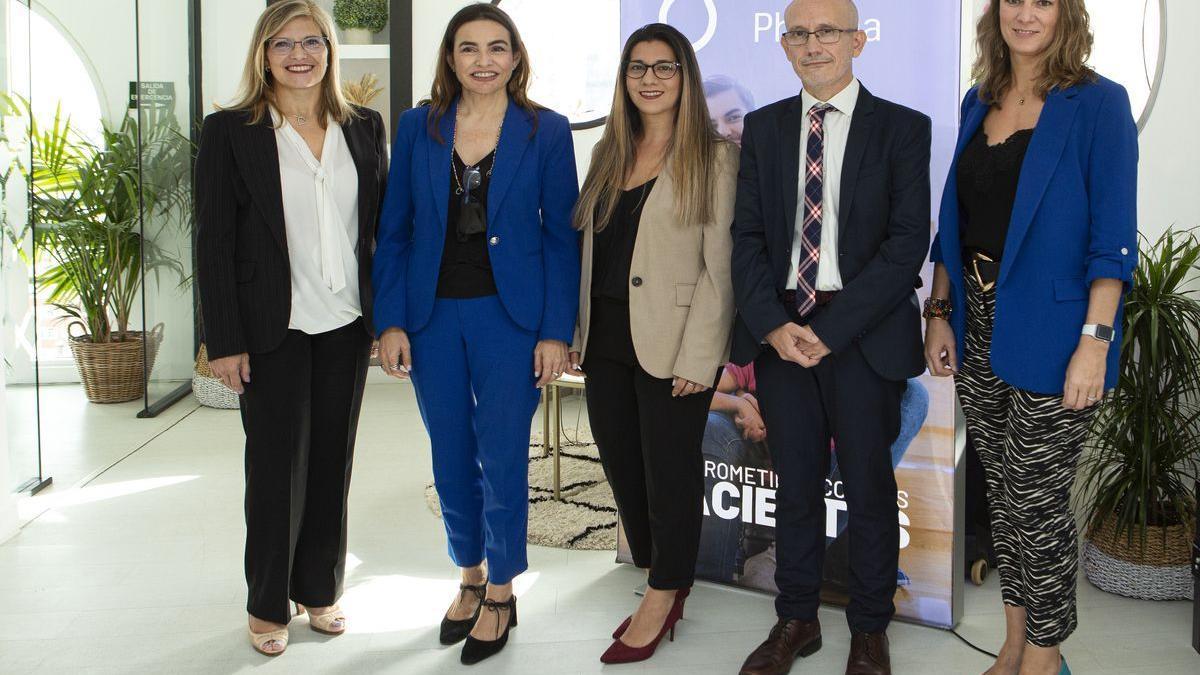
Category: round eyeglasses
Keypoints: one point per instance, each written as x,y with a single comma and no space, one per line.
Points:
313,44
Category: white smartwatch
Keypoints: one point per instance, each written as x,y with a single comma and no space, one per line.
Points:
1099,332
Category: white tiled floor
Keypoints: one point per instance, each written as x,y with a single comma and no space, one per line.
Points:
140,572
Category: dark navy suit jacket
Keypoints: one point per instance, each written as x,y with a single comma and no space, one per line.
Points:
883,232
1074,221
533,249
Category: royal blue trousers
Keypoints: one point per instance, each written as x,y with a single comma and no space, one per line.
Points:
473,375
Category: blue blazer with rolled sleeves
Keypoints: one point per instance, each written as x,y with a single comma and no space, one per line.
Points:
1074,221
533,249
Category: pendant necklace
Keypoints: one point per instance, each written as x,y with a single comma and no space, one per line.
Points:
458,190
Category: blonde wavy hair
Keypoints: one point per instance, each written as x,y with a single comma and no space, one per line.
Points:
691,155
257,90
1063,63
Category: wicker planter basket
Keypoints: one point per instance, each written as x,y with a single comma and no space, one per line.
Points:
116,371
208,390
1160,571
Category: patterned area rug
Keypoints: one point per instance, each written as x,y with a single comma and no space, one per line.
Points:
586,518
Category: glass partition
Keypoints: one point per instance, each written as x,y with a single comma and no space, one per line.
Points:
18,308
97,129
165,124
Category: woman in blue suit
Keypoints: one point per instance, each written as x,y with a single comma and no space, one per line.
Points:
1037,242
476,281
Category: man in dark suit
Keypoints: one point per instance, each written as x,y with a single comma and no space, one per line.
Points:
830,231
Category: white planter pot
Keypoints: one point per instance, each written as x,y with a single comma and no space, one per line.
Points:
357,36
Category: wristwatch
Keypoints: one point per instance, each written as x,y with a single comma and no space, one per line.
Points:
1099,332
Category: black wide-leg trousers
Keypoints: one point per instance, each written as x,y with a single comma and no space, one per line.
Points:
300,414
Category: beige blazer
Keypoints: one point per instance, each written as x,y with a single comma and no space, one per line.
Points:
681,314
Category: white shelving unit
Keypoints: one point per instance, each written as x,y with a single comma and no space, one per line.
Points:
364,51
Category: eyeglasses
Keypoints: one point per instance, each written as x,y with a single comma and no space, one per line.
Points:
313,44
663,70
826,36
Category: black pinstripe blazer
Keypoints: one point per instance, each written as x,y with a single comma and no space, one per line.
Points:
241,244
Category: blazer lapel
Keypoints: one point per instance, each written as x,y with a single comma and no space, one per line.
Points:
791,128
439,163
358,139
260,153
1041,160
514,139
861,126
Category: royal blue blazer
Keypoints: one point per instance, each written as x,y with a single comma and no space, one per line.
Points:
1074,221
533,249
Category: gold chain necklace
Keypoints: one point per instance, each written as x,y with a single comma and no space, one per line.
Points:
453,146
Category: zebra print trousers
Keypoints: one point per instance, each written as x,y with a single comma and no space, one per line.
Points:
1029,446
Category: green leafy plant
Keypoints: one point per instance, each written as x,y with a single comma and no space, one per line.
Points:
91,207
1145,448
369,14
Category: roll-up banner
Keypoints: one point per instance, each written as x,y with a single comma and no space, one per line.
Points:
911,58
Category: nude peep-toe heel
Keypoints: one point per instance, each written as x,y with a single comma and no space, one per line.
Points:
332,622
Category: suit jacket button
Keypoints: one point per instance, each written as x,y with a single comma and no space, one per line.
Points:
636,281
1124,251
494,241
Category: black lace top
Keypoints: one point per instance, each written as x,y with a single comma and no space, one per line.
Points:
987,188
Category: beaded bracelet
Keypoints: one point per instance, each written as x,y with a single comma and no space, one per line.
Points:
937,308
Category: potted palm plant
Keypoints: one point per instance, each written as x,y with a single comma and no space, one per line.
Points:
91,204
1145,448
359,19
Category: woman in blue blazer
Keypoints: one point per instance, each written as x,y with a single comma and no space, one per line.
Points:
1037,243
476,282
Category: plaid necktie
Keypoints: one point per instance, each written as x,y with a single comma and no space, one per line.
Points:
814,191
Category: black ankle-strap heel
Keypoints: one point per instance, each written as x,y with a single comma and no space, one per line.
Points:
453,631
475,650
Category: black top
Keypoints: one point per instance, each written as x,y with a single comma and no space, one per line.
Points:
612,251
466,271
987,189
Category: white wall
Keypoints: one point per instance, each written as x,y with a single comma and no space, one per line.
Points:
226,27
1169,172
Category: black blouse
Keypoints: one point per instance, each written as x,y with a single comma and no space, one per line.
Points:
612,250
987,188
466,270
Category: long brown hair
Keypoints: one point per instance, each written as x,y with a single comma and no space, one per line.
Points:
447,88
691,155
1063,63
257,89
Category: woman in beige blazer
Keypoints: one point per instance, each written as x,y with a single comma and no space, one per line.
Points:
656,311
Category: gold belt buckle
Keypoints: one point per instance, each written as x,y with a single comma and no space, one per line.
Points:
975,258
